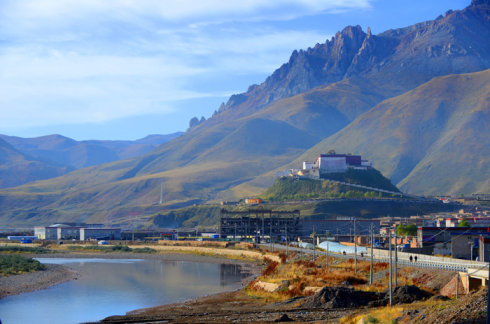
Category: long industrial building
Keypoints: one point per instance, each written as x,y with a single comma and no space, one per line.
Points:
260,224
69,232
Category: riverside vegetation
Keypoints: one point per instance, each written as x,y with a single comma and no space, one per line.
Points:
17,264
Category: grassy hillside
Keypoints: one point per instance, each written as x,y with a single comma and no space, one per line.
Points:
430,140
291,189
439,125
369,178
432,125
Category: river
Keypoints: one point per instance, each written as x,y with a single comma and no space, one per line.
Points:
115,286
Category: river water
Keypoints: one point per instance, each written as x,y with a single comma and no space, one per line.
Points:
116,286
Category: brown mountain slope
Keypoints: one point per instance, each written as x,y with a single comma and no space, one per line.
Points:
17,168
80,154
399,59
433,139
350,74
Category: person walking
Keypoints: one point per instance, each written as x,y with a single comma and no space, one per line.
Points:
411,259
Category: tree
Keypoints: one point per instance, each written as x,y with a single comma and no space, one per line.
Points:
406,230
463,223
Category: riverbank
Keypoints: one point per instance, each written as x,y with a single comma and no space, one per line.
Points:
342,296
56,274
229,307
27,282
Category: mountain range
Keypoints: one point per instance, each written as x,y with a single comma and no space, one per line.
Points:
29,159
415,101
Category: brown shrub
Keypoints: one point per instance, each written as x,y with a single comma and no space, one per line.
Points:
306,264
337,277
271,268
296,288
268,260
283,257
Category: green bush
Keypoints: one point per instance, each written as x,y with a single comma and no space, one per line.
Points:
406,230
16,264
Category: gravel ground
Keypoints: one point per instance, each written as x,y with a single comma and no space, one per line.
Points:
230,307
18,284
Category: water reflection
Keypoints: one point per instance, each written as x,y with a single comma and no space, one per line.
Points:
230,274
116,286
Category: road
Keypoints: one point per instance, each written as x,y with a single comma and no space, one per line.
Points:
459,265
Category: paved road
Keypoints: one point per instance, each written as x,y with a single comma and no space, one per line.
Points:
451,266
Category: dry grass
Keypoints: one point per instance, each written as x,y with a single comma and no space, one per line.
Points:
395,314
379,315
271,268
294,276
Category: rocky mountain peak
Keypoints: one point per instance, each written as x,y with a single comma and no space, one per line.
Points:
480,2
449,44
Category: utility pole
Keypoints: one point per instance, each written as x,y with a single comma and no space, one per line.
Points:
263,229
326,261
287,241
372,247
488,295
355,247
457,285
161,193
396,260
270,231
234,237
391,270
314,247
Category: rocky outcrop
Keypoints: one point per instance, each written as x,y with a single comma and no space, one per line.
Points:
454,43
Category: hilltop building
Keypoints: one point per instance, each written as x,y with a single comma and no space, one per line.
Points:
333,163
330,162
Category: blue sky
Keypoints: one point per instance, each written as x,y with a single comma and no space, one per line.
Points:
123,69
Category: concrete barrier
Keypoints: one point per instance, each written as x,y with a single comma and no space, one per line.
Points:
448,262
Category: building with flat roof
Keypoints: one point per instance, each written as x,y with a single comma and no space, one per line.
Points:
67,232
100,234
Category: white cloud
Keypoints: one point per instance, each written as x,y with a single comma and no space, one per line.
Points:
72,61
173,10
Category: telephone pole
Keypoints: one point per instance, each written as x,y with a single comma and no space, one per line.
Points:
314,247
391,271
326,261
396,260
457,285
270,231
287,242
161,193
372,247
355,247
488,293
